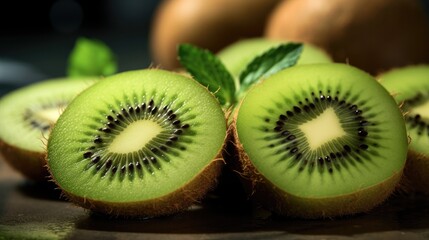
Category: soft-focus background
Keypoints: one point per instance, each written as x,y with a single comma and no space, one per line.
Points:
36,37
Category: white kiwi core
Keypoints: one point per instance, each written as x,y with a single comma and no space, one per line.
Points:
49,115
322,129
135,136
422,110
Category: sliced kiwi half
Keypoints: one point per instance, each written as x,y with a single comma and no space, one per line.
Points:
27,115
238,55
321,140
141,143
410,88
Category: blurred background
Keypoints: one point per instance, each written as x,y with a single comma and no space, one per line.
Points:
36,37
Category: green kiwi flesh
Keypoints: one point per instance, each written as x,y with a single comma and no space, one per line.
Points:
140,143
27,115
238,55
410,88
321,140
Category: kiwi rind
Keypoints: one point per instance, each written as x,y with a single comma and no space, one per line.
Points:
405,83
27,154
138,202
360,199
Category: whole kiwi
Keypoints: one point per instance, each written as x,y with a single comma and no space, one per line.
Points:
320,141
372,35
210,24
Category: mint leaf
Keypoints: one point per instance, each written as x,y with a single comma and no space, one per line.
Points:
208,70
270,62
91,57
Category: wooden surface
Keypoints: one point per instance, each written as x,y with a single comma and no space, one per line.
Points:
34,211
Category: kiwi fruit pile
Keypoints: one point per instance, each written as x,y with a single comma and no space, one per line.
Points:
27,116
320,140
141,143
410,87
315,140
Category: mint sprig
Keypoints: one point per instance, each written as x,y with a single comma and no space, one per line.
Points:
91,57
270,62
208,70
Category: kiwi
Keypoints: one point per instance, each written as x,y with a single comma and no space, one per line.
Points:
27,115
238,55
320,140
372,35
140,143
211,24
410,87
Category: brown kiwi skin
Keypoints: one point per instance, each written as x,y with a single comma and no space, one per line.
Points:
210,24
29,163
279,202
416,173
373,35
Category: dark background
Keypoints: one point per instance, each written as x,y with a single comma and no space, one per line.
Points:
36,37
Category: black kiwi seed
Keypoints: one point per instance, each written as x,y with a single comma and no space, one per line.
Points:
172,116
154,110
95,159
108,163
87,154
278,128
185,126
131,166
98,139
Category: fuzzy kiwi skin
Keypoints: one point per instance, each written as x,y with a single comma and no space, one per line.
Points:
416,172
19,159
211,24
272,198
372,35
173,203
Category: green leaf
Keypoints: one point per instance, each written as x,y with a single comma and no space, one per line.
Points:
270,62
208,70
91,57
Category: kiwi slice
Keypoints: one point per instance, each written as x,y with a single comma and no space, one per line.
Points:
27,115
321,140
238,55
410,88
140,143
